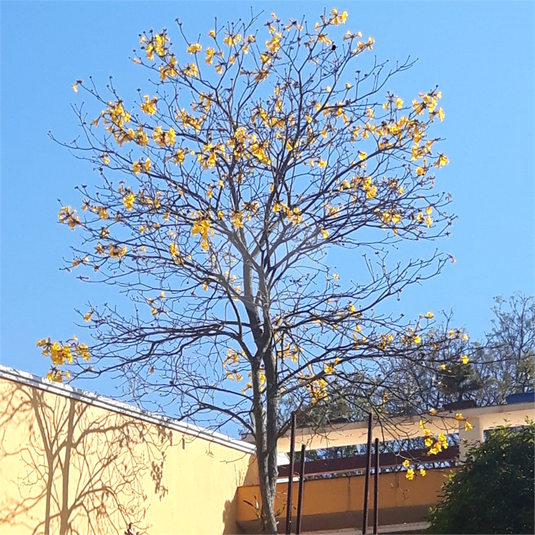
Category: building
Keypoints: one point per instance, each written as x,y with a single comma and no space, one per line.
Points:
75,462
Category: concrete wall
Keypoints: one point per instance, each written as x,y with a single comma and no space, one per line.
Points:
73,466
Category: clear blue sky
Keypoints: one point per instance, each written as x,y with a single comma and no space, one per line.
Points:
480,53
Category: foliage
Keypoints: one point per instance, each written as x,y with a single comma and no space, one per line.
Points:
484,372
224,191
508,356
492,492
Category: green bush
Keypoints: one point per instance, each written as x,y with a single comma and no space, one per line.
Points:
493,490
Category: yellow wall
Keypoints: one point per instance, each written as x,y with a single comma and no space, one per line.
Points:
69,467
331,502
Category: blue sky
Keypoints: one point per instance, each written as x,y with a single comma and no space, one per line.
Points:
480,53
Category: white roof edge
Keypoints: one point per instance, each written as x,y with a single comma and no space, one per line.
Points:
104,402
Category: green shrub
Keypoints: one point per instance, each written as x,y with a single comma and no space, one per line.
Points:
493,490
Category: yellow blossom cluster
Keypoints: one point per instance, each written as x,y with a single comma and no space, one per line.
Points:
202,227
317,390
62,354
67,216
158,44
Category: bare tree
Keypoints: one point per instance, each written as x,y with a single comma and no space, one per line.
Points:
224,192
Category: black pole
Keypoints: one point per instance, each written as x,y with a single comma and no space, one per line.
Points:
300,495
376,490
291,476
367,479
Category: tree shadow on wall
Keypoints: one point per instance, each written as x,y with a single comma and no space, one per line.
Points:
76,469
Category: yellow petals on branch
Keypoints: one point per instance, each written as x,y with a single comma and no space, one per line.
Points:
324,233
87,317
232,39
191,70
67,215
322,38
442,160
422,472
194,48
237,219
149,105
179,157
202,227
128,201
410,474
468,426
406,463
464,359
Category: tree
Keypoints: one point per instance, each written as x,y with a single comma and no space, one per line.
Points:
224,192
509,352
492,492
484,372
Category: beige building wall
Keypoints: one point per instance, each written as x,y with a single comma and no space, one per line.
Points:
73,463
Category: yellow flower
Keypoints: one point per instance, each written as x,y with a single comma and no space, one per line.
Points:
87,317
194,48
406,463
459,416
410,474
231,40
324,233
136,167
211,33
442,161
102,212
149,106
75,88
128,201
146,165
464,359
237,219
191,70
66,215
468,426
422,472
432,412
430,315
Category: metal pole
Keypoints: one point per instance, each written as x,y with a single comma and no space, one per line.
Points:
300,495
290,478
376,490
367,479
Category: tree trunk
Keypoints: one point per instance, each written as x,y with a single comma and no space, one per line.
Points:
266,448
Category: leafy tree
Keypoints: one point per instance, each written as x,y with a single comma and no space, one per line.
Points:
224,190
508,356
485,372
492,492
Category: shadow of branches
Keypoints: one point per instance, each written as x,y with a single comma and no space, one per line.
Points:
72,468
